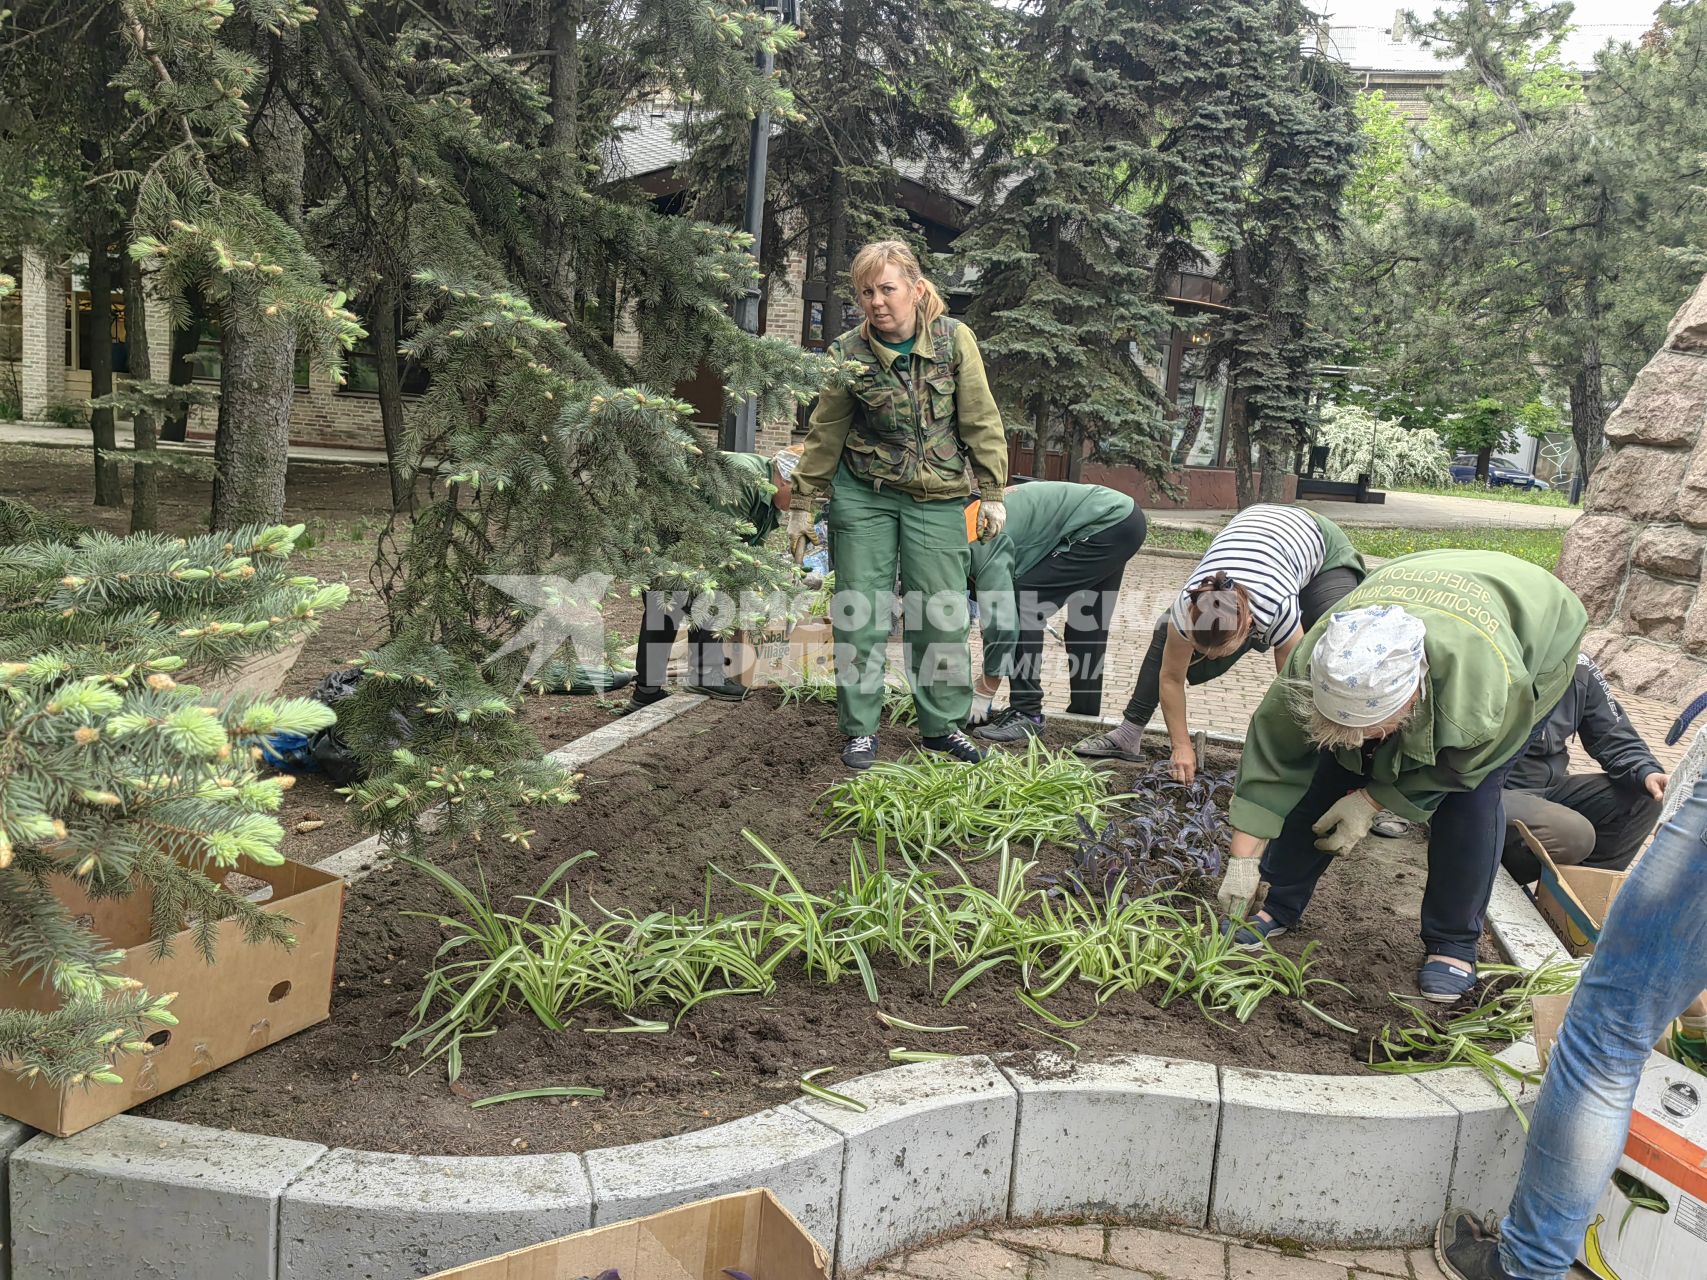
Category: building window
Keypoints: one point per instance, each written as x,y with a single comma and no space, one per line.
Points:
207,358
361,367
12,313
80,323
1202,406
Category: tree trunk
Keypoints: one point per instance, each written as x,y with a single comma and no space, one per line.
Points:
382,321
1272,485
257,377
144,476
835,254
1588,410
1484,459
1239,445
1188,435
109,489
563,137
186,341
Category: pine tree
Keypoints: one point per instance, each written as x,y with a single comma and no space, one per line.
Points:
1066,304
1255,167
117,775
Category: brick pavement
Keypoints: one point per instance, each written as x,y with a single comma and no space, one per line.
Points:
1137,1253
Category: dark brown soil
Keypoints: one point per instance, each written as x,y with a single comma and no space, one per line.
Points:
658,813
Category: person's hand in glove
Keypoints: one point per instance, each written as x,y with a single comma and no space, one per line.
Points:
802,531
1239,886
992,517
984,691
1343,827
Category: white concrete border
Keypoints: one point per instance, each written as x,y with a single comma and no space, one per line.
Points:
1326,1160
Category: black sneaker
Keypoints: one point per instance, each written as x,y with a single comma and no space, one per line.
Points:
861,752
723,690
1468,1250
643,696
955,744
1009,725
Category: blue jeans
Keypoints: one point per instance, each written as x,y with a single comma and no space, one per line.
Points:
1650,963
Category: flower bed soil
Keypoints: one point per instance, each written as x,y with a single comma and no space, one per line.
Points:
657,813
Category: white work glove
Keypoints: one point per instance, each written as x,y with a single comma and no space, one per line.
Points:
1343,827
1239,886
981,703
802,531
992,517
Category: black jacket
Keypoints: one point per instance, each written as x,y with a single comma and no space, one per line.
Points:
1589,711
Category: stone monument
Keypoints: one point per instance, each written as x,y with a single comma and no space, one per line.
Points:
1635,555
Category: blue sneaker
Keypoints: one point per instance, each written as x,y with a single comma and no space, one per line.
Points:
1249,935
1443,983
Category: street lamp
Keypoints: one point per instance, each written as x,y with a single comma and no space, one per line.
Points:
741,430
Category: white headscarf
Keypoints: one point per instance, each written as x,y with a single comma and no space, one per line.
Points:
1367,665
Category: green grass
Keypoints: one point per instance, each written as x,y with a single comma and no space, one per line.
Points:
1539,546
1505,493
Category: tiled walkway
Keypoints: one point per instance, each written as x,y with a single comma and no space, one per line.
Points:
1134,1253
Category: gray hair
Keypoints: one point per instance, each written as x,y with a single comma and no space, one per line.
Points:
1329,735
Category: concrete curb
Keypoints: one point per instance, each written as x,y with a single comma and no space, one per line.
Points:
393,1217
12,1136
1331,1160
150,1199
796,1156
932,1151
1326,1160
1128,1138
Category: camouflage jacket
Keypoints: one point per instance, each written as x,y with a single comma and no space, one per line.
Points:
925,424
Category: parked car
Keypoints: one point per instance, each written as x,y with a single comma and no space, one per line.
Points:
1499,473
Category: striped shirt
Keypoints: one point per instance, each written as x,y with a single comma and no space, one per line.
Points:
1272,552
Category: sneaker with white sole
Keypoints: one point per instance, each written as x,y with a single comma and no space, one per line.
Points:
955,744
860,752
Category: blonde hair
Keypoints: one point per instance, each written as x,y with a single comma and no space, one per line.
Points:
1331,735
869,263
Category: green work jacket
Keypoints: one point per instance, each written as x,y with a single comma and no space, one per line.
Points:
754,502
1502,637
1043,518
924,423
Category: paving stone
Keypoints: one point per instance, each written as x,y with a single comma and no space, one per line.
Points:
1083,1242
1245,1263
151,1200
12,1136
932,1151
369,1215
1367,1262
1168,1255
1061,1267
795,1156
1133,1137
965,1258
1331,1160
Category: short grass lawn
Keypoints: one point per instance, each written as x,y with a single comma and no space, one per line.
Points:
1490,493
1541,546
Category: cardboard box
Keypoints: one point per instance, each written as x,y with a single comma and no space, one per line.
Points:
1574,900
249,997
749,1232
784,655
1667,1152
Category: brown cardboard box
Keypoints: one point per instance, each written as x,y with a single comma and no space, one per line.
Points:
1574,900
249,997
748,1231
784,655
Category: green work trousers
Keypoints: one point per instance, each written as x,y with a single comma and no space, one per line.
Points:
875,535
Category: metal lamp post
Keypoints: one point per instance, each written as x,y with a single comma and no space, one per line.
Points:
741,429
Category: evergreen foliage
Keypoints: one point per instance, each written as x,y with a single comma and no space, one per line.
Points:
1066,302
118,777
